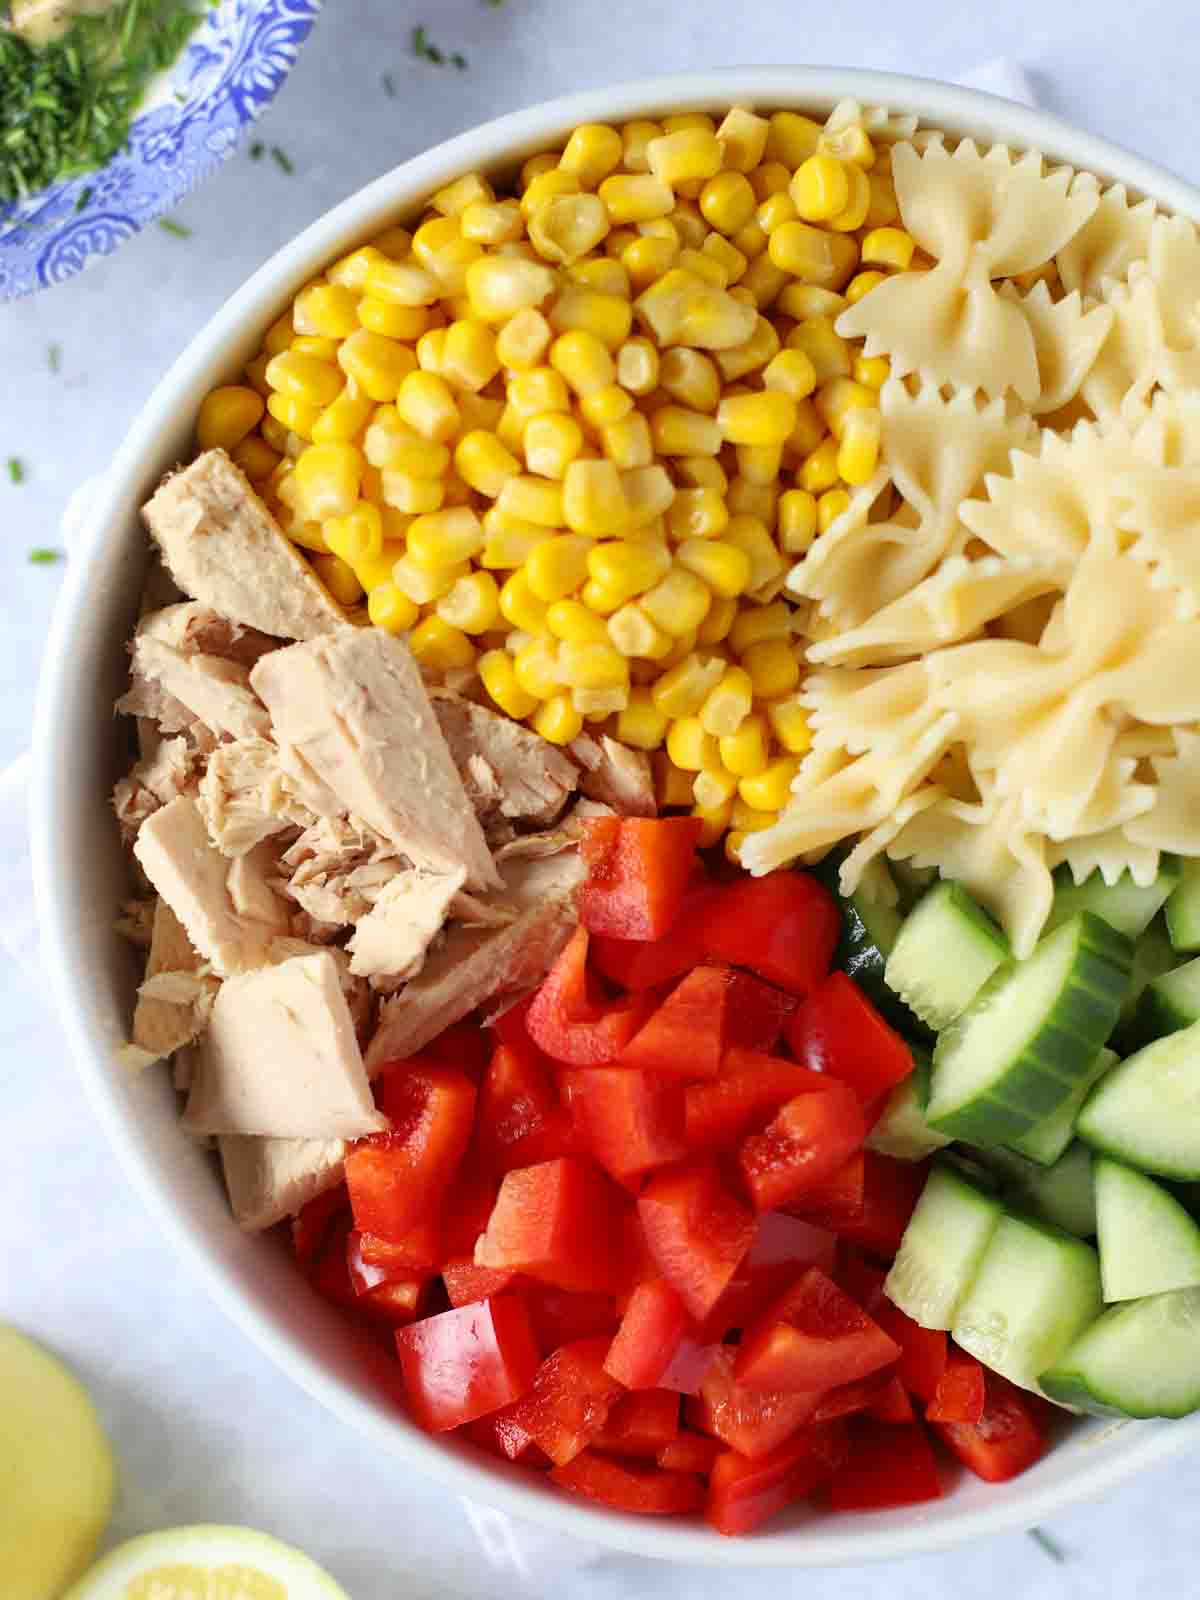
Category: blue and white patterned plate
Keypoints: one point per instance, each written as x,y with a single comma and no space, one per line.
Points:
231,68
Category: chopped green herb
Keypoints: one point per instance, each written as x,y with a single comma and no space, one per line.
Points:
282,160
42,557
495,4
85,195
257,150
66,106
169,225
1054,1550
16,470
459,60
423,49
54,357
389,85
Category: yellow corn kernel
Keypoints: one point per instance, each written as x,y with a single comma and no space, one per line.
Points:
378,365
858,452
759,463
524,339
426,402
750,242
820,189
255,457
828,352
471,189
329,310
584,360
764,279
508,542
351,270
871,371
338,577
858,202
635,197
684,688
770,789
641,724
838,398
311,344
744,752
390,609
808,432
635,137
831,505
344,418
430,348
627,442
680,432
682,309
690,377
819,470
279,335
275,431
646,259
755,500
714,820
820,259
483,462
553,439
573,623
805,300
672,785
593,498
557,720
689,119
604,406
773,667
471,604
592,152
749,819
743,139
883,210
535,166
500,286
547,186
568,226
305,378
702,472
888,247
327,479
765,418
792,372
757,351
789,723
602,273
532,500
498,675
719,620
469,356
753,538
774,211
690,748
536,668
680,157
492,222
862,283
851,144
679,602
635,634
627,569
607,317
227,415
374,570
415,496
715,789
797,522
594,664
756,623
443,538
792,138
308,536
401,283
724,567
726,255
540,390
697,514
390,444
357,536
728,703
727,202
440,647
394,243
557,567
256,374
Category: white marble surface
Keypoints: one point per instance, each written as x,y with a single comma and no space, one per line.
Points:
201,1422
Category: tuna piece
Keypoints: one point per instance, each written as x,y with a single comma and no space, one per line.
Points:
175,999
178,689
614,774
245,796
389,943
270,1179
508,770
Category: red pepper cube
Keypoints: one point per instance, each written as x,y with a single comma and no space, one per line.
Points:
515,1100
747,1092
398,1303
892,1404
810,1138
630,1121
464,1045
329,1271
744,1491
750,1421
631,1486
467,1362
887,1466
690,1452
313,1224
961,1393
640,1424
569,1399
923,1351
813,1338
685,1036
560,1222
649,1337
465,1282
638,871
418,1253
569,1025
372,1261
784,926
849,1398
398,1178
503,1436
560,1316
756,1013
690,1364
783,1246
697,1232
467,1206
874,1221
1006,1440
838,1201
837,1030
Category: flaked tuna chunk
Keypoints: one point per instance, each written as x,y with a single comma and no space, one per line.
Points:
170,770
280,1058
177,689
508,770
227,907
176,996
614,774
245,796
389,943
195,629
271,1179
337,871
223,547
353,708
473,965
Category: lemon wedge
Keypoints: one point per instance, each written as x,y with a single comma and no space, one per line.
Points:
207,1563
56,1472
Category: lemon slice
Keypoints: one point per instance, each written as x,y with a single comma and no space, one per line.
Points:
56,1472
207,1563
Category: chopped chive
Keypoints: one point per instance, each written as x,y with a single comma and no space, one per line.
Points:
495,4
1050,1546
169,225
282,160
459,60
422,48
257,150
16,470
389,85
43,557
84,196
54,357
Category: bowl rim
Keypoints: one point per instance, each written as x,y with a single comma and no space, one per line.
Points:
828,1541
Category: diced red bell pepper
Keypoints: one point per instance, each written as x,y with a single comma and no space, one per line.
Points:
744,1491
465,1282
922,1350
561,1223
813,1338
698,1233
467,1206
636,966
690,1452
637,1264
838,1200
630,1121
555,1138
565,1022
638,870
510,1026
398,1178
1006,1440
640,1424
685,1036
891,1189
862,1279
892,1404
651,1332
690,1365
504,1436
631,1485
849,1398
418,1253
515,1099
560,1316
783,1246
569,1400
329,1271
756,1013
371,1262
810,1138
398,1303
751,1421
464,1363
785,927
313,1224
464,1045
748,1091
837,1030
961,1394
887,1466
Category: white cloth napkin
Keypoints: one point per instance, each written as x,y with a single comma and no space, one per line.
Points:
527,1553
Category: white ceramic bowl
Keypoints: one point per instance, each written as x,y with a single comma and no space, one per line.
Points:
81,875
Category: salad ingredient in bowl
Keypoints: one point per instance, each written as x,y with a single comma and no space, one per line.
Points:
477,668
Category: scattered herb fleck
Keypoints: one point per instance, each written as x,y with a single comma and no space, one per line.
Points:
85,195
459,60
257,150
43,557
495,4
169,225
1050,1546
282,160
54,357
423,49
16,470
389,85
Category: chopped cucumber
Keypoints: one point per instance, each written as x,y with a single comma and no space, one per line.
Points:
870,923
1063,1194
1048,1139
1168,1003
1183,910
1138,1360
939,1255
1032,1034
902,1130
1036,1290
1148,1243
946,950
1146,1111
1124,905
1152,956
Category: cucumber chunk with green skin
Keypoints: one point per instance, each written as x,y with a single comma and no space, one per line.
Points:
870,922
1183,910
902,1130
1152,956
1063,1195
1124,905
1036,1290
946,950
946,1239
1141,1359
1048,1139
1168,1003
1146,1111
1148,1243
1031,1035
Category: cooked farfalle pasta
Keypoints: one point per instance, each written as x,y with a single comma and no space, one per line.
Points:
1114,238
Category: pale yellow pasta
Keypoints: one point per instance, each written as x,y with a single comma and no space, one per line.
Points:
1114,238
1067,339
